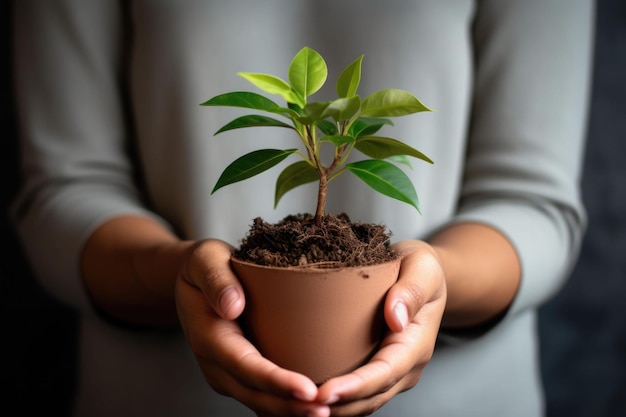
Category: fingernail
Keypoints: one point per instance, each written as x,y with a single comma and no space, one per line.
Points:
305,396
402,315
332,399
319,412
228,298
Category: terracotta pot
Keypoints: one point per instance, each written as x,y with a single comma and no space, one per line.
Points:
319,322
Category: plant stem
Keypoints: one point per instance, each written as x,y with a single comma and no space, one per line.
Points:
321,199
325,174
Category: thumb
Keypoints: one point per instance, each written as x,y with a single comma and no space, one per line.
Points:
208,269
420,280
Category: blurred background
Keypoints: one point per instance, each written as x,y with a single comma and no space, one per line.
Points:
583,329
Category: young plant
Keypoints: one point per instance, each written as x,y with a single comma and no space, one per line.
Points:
346,123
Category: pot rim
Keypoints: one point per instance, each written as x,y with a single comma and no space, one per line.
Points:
314,268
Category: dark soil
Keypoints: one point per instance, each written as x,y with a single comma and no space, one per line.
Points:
297,240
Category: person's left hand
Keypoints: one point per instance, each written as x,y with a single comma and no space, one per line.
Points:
209,299
413,309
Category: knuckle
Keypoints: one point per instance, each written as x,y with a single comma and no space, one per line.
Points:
411,380
202,266
375,404
428,355
197,346
415,296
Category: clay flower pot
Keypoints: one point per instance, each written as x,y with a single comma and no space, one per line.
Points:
319,322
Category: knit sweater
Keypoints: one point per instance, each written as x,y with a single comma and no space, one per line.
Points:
108,98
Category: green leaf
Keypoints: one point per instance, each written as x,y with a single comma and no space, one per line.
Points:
338,140
252,120
248,100
368,126
268,83
273,85
343,108
391,102
296,108
380,148
345,122
387,179
250,165
307,72
296,174
401,159
327,127
314,112
349,79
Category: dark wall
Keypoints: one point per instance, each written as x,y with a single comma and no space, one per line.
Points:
37,342
583,329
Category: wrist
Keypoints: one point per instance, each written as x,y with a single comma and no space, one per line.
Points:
156,267
129,267
482,273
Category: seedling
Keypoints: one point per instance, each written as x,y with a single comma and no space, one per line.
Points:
345,123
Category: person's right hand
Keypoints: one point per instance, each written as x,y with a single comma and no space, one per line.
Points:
209,299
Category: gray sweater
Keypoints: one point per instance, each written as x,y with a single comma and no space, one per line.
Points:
110,124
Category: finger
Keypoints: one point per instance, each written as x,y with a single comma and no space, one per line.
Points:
398,364
270,404
420,281
220,343
369,387
262,402
396,367
257,372
208,268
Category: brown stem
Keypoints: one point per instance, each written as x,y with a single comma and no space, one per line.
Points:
338,158
324,174
321,199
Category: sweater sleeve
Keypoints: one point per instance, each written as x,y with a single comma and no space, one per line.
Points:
76,164
524,157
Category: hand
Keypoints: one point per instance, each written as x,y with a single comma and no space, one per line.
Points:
413,310
209,298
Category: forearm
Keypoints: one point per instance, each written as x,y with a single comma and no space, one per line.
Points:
129,266
482,273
